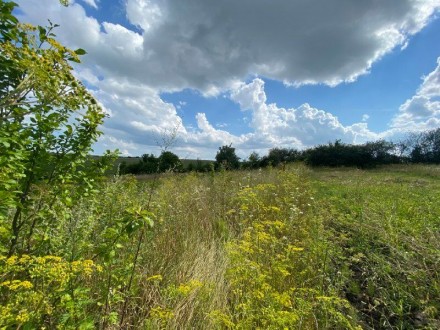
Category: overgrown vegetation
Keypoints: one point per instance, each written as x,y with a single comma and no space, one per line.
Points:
417,148
384,230
272,248
240,250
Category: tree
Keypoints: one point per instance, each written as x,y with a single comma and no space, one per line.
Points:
149,164
253,160
227,158
277,156
426,147
169,161
48,123
339,154
382,152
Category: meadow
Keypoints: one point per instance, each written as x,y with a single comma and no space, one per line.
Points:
297,248
282,247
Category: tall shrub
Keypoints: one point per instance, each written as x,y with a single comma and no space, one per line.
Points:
48,123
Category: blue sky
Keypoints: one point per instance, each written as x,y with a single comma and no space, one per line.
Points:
252,73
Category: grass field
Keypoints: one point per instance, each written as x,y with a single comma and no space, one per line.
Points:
384,226
298,248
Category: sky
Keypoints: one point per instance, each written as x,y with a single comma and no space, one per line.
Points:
194,75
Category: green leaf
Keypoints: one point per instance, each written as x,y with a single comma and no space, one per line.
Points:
148,221
80,51
43,32
73,59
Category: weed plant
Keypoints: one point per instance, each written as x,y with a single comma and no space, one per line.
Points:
263,249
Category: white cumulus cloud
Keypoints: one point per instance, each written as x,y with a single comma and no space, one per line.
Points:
91,3
422,111
295,127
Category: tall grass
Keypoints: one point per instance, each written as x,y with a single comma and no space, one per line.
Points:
385,228
267,249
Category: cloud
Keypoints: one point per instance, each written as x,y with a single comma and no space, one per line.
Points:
138,114
210,45
295,127
117,51
213,46
210,136
422,111
91,3
143,13
139,120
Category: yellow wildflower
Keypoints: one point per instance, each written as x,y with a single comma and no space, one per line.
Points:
11,260
24,259
27,285
22,316
157,278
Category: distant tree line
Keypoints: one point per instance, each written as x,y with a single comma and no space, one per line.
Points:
421,147
148,164
362,156
166,162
